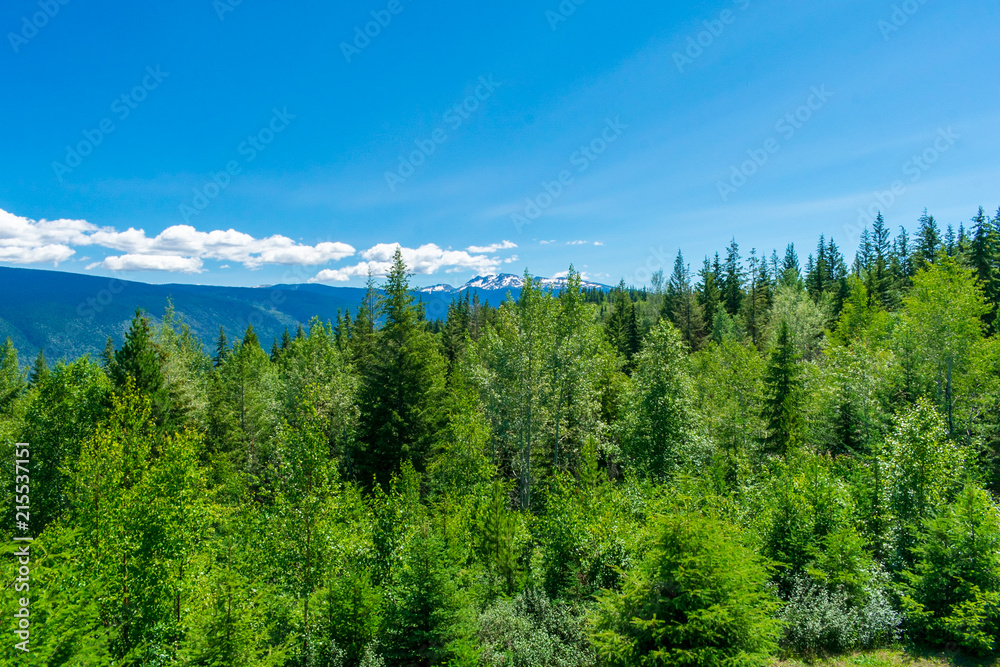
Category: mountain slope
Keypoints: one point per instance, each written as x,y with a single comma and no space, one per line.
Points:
69,315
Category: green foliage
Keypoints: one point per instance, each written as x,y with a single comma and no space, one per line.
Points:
428,621
12,378
952,593
697,598
921,469
657,429
531,630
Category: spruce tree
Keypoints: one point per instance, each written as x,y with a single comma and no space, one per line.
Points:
221,348
983,257
783,383
732,281
402,385
39,370
709,296
928,241
791,274
141,359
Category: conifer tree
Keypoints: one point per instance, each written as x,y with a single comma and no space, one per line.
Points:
141,359
783,382
928,241
791,274
402,384
732,280
709,296
39,370
685,311
221,348
984,254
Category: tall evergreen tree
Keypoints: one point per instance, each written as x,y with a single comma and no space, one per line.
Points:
783,383
39,370
732,280
984,255
791,274
686,314
757,301
141,359
402,384
709,296
221,348
928,241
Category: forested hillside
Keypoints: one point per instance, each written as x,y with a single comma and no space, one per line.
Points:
763,456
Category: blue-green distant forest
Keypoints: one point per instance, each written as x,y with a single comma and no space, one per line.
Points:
771,454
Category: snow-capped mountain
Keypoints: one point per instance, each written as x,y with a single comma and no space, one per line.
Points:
501,282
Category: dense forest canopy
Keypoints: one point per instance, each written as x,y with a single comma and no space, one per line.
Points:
759,456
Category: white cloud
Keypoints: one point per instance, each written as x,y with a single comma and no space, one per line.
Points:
576,243
425,260
547,242
29,241
598,243
150,263
52,253
504,245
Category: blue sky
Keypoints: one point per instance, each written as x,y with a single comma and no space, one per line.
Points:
480,137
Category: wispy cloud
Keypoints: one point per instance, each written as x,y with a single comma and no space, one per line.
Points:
503,245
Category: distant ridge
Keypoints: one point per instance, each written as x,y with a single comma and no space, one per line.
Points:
501,282
70,314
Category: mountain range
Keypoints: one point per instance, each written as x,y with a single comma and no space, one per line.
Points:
69,314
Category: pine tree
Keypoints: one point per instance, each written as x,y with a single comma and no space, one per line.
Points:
250,338
790,274
108,356
781,409
402,385
141,359
709,296
928,242
221,348
984,255
732,280
622,326
39,370
757,301
685,311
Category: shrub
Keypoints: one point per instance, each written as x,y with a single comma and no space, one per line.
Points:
698,597
821,619
530,630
